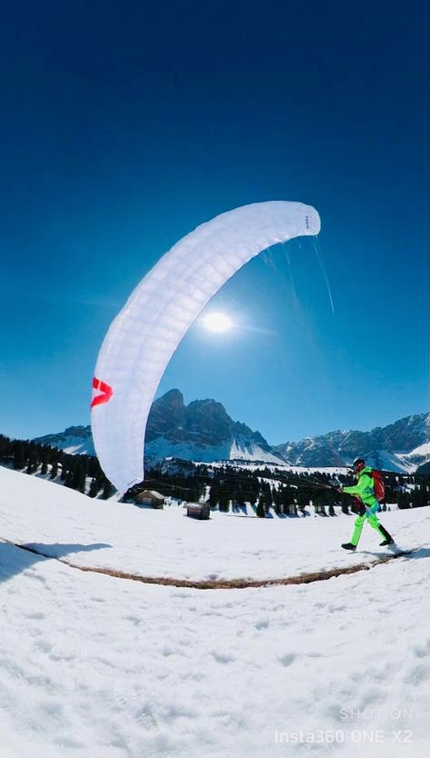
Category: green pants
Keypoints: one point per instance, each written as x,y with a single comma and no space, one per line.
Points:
359,523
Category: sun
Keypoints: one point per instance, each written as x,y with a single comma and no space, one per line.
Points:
217,322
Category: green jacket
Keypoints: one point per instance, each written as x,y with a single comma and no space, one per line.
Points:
365,487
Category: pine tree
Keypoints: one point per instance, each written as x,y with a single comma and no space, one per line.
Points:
19,457
108,489
214,494
403,501
79,471
94,488
261,510
419,496
224,501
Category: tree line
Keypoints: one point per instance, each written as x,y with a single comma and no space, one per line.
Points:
79,472
224,487
230,488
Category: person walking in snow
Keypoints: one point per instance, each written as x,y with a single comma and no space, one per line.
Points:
368,505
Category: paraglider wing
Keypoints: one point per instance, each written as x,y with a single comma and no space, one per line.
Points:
146,332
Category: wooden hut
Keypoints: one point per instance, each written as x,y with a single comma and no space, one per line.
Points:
198,510
150,497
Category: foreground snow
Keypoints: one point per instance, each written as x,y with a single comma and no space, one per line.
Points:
92,665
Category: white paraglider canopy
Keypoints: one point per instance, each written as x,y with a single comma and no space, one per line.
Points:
144,335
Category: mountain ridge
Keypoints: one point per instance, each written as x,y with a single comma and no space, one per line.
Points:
203,431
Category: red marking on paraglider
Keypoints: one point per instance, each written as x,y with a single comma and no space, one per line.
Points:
105,390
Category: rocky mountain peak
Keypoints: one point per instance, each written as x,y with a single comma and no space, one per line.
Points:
203,431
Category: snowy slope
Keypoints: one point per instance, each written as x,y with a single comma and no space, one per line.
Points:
74,440
162,448
92,665
403,463
417,457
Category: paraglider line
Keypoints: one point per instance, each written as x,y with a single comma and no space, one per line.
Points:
319,255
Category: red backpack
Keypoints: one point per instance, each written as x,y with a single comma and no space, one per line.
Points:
379,485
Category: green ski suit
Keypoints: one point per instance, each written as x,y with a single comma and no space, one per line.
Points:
365,491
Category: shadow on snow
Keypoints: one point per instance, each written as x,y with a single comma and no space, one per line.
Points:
18,557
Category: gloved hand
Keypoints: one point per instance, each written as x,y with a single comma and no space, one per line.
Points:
358,507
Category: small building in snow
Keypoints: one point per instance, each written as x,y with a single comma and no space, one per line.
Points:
150,497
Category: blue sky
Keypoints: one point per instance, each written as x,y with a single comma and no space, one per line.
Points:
124,126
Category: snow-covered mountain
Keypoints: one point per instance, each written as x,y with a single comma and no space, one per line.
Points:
74,440
401,446
203,431
200,431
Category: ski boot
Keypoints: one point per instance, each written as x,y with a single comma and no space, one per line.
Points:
388,538
349,546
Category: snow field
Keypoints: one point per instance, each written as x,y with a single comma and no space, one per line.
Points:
95,665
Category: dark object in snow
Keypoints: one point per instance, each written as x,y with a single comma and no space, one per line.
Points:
150,497
198,510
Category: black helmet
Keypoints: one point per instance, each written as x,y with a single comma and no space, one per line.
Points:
358,464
